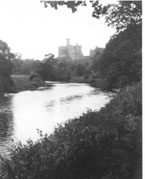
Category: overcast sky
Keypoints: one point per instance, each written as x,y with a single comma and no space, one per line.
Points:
32,30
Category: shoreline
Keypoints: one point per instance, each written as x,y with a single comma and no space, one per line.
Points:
23,83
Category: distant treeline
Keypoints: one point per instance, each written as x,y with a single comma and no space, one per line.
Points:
105,144
119,64
51,68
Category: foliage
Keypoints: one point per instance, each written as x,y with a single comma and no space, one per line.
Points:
17,65
104,144
96,58
26,82
36,80
48,67
6,84
124,14
70,4
5,68
26,66
118,15
54,69
64,69
121,62
5,59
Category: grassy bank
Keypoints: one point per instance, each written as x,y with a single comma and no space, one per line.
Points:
22,83
103,145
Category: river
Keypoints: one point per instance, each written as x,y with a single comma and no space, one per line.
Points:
24,113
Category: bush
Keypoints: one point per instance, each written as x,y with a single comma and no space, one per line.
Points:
102,145
6,84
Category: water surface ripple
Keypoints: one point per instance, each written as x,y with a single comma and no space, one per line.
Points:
23,113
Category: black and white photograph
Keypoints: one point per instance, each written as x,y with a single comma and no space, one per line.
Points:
71,89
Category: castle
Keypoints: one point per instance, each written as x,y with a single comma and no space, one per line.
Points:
70,52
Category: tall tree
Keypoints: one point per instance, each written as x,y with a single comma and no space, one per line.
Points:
121,61
48,66
5,67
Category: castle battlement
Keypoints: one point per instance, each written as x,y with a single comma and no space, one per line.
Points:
70,52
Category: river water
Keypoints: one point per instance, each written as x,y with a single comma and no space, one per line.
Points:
24,113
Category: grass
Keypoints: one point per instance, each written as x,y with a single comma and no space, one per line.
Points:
22,83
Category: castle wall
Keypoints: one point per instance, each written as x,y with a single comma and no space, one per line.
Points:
72,52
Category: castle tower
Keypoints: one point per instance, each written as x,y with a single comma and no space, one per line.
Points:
68,42
70,52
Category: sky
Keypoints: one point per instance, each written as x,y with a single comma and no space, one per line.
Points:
33,31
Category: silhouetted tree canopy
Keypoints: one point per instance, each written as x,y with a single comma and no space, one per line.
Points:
123,14
118,15
121,61
5,67
5,59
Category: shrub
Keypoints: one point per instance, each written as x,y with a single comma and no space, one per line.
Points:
6,84
102,145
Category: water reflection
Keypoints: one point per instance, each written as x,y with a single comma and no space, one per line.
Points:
25,112
70,98
6,124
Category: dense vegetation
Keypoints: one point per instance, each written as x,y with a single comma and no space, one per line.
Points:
51,68
23,83
104,144
6,84
115,67
120,64
121,61
118,15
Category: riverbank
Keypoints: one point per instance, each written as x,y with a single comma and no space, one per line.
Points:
104,144
23,83
95,82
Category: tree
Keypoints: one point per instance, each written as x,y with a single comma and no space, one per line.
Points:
121,62
5,59
118,15
48,66
17,63
5,68
96,57
124,14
